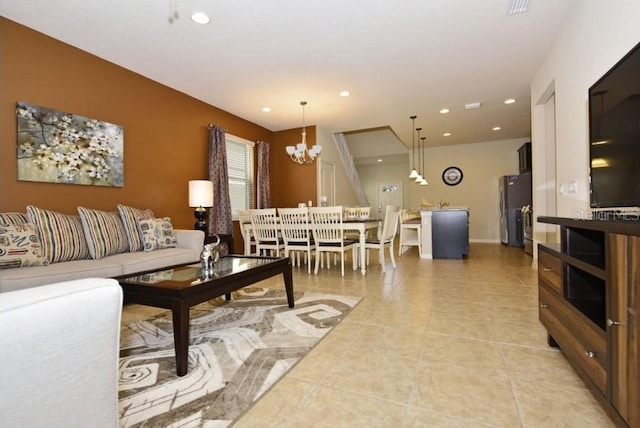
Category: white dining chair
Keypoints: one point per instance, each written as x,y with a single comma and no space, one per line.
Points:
296,234
363,213
353,213
246,230
410,230
386,237
387,210
266,231
328,235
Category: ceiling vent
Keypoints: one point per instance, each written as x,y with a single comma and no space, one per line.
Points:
471,106
518,6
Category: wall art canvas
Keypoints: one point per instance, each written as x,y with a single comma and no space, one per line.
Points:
58,147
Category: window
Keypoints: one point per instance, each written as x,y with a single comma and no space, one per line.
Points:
240,165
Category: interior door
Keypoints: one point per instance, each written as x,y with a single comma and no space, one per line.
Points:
388,194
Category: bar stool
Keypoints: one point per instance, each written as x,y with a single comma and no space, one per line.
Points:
410,230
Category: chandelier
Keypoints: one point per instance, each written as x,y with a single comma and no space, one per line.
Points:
300,153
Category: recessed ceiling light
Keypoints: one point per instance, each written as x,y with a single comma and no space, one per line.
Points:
496,128
200,18
446,134
379,160
266,109
510,101
444,111
344,93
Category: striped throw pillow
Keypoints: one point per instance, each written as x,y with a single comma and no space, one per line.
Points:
130,217
7,219
157,233
20,246
61,235
104,232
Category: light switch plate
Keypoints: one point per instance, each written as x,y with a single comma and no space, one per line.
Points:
561,189
573,186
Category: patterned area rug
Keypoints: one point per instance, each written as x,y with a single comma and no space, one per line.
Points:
237,351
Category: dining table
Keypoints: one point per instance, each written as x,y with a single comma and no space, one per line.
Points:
360,225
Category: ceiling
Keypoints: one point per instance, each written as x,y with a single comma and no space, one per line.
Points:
396,57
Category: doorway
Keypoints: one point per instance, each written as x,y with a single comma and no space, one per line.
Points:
327,191
545,174
550,173
388,194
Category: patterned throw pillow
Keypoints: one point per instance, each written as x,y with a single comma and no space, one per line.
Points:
7,219
104,232
20,246
129,217
157,233
61,235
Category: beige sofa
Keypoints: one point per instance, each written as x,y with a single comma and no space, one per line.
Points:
59,347
188,250
45,257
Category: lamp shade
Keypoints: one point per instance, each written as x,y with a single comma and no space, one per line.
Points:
200,193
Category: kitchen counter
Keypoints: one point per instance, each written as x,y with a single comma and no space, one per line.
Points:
445,232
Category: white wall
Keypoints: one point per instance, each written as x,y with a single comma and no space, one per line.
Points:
345,194
481,163
594,38
372,175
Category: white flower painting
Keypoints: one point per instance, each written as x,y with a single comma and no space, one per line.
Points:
57,147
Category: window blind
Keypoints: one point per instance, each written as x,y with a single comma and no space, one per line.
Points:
240,164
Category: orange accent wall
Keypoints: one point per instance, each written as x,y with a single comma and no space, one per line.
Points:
165,132
291,183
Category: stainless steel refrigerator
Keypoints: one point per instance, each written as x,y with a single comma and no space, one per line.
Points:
515,192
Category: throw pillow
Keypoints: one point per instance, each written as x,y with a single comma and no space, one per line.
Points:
20,246
7,219
61,235
104,232
129,217
157,233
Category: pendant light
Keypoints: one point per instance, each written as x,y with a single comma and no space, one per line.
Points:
419,176
424,179
414,173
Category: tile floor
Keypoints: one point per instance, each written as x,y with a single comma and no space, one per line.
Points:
434,343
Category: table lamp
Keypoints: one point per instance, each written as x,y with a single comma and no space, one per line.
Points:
201,197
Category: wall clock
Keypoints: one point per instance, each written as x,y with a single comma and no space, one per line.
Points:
452,175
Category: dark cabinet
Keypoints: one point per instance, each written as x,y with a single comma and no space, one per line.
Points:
589,291
524,158
624,328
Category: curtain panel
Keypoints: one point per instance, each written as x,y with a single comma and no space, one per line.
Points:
219,221
262,180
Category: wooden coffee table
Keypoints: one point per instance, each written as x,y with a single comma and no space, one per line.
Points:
182,287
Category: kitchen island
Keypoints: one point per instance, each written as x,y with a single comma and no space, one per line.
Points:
444,233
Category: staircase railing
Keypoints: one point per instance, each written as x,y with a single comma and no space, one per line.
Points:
350,168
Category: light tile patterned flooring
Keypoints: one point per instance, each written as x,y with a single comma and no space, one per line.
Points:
434,343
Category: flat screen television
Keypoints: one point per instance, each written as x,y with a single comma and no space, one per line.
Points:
614,135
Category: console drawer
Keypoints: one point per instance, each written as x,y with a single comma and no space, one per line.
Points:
582,343
550,270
